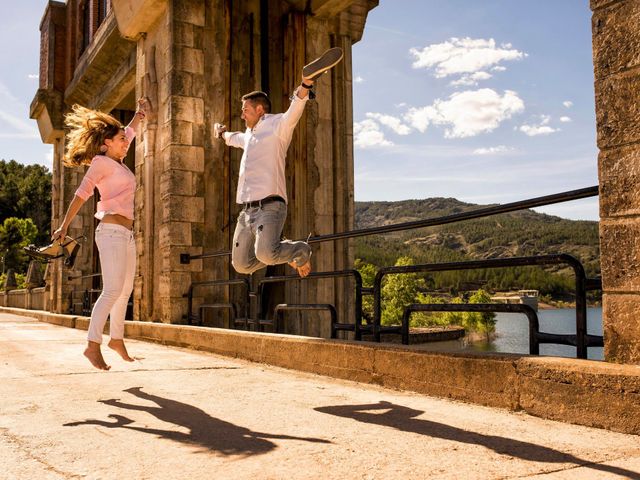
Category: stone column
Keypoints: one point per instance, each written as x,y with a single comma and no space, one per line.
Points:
616,57
181,156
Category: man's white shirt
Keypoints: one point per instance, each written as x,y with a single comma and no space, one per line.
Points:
262,168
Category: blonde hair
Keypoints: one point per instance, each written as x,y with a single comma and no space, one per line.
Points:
88,130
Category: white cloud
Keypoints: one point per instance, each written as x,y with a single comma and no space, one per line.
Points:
467,113
499,68
565,119
541,128
367,134
463,56
500,149
358,79
471,79
33,76
394,123
567,103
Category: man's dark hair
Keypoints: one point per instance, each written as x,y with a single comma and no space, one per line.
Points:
259,98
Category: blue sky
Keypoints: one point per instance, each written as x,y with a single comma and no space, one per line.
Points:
485,101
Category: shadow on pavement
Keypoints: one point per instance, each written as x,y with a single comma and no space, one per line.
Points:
204,430
403,418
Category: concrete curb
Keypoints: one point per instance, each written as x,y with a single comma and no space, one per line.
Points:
582,392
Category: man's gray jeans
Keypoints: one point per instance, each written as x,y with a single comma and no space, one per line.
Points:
256,241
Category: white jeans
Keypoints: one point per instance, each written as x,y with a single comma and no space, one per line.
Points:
117,249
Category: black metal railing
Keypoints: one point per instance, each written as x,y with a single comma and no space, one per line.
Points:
581,339
581,193
244,308
536,337
278,313
580,287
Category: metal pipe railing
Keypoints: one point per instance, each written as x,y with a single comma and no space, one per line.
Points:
532,316
431,222
580,279
234,281
310,307
357,326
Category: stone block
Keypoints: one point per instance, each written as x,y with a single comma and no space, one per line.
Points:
174,284
619,171
621,328
176,182
181,83
198,185
189,11
620,255
197,233
487,380
177,208
189,59
618,109
188,35
616,38
183,157
173,310
175,233
181,133
137,16
197,86
582,392
197,134
188,109
183,34
171,258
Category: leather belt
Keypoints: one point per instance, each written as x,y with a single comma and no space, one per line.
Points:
264,201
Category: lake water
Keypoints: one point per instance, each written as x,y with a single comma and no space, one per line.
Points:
512,334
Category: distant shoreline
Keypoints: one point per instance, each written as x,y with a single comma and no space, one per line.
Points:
561,304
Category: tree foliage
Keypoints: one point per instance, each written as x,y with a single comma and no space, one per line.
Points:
25,192
524,233
16,233
402,290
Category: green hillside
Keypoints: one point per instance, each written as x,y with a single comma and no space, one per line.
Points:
520,233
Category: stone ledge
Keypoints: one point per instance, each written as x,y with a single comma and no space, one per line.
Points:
582,392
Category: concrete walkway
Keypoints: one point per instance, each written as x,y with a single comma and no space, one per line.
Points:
181,414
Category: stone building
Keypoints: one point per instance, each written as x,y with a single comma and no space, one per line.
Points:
194,59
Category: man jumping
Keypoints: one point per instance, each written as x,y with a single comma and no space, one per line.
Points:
262,183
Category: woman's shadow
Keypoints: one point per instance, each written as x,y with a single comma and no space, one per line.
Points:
205,431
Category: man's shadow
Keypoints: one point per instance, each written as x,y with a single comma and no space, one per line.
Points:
403,418
205,431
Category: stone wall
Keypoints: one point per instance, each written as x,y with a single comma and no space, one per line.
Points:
194,59
616,58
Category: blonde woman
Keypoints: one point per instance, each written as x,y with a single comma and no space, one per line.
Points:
100,141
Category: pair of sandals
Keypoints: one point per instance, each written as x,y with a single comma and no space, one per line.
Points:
67,249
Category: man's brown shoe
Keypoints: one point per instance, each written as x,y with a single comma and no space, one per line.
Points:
327,60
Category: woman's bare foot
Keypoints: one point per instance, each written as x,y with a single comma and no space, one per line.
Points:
93,353
118,346
304,270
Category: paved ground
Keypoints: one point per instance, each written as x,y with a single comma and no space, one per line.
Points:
180,414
